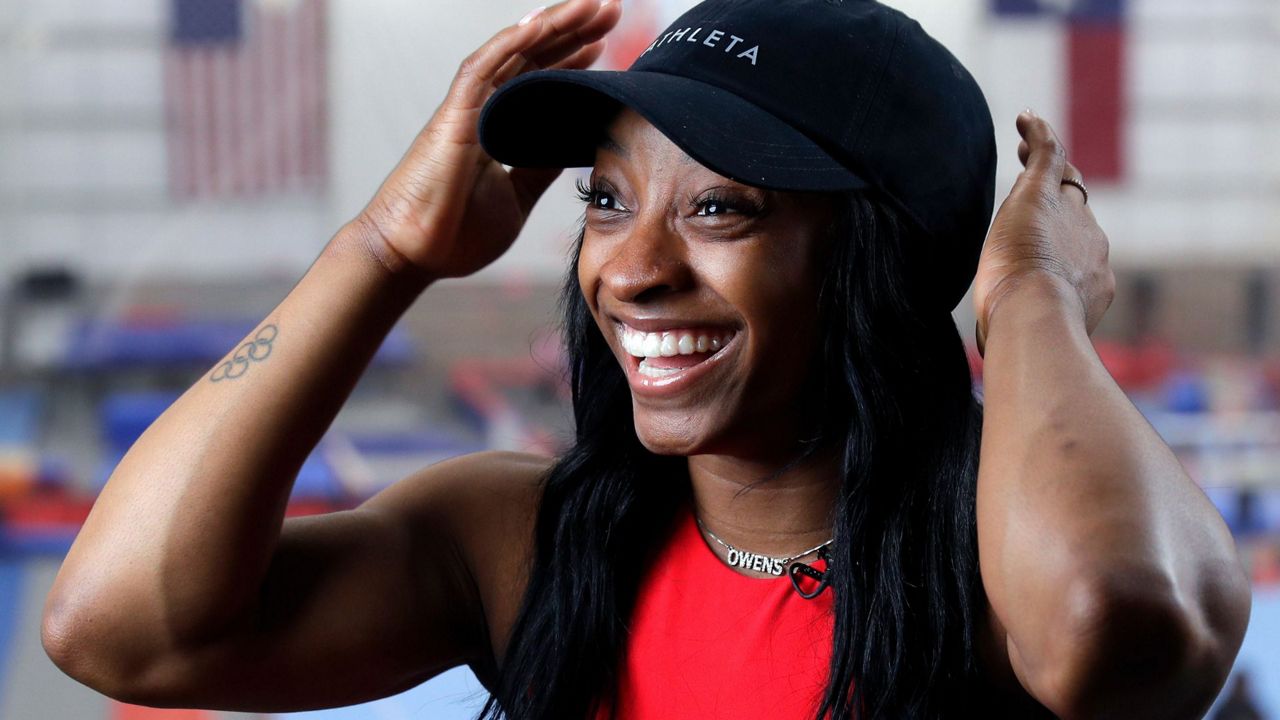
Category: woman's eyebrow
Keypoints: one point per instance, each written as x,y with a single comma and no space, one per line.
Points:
608,143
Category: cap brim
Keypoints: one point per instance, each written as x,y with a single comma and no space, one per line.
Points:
557,118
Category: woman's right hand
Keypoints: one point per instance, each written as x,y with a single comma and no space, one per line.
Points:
448,209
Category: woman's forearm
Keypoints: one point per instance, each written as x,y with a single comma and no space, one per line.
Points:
179,540
1114,576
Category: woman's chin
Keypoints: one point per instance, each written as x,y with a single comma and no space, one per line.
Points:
670,438
688,436
668,446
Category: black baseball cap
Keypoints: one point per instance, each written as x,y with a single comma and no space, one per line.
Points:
803,95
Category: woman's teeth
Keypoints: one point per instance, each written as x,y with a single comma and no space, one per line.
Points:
667,344
656,372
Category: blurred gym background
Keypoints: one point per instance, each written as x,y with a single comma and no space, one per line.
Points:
169,168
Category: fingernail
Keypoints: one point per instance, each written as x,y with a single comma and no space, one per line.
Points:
1029,111
532,14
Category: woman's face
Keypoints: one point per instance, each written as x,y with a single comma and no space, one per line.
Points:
706,290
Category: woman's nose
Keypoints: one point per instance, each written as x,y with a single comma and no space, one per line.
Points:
651,261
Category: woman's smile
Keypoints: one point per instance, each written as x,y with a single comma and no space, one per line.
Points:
667,362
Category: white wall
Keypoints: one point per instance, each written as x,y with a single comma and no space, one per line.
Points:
82,145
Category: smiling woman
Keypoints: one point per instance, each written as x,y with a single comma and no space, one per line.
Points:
804,422
767,381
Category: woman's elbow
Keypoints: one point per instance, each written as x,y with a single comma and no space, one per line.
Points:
65,643
1136,647
83,649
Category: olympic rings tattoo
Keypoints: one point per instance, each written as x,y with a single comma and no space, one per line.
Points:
256,350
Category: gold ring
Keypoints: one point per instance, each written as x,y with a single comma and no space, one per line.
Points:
1079,184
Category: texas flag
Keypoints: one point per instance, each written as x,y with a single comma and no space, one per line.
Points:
1093,79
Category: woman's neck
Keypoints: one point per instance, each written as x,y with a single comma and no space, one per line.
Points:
788,509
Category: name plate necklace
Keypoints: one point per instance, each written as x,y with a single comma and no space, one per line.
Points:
736,557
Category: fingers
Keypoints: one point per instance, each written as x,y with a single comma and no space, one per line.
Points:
567,44
560,47
1069,170
584,57
1045,158
558,29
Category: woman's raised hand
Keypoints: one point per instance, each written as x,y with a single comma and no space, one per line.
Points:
448,209
1044,230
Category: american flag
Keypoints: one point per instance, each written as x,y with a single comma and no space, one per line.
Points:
1094,81
245,98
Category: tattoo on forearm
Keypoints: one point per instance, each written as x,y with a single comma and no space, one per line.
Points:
255,350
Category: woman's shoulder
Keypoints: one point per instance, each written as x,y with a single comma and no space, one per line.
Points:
493,503
473,495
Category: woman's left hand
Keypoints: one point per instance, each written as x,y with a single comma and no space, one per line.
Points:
1043,230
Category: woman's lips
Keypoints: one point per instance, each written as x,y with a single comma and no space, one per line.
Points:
667,362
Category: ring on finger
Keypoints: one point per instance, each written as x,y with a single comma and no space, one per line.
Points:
1078,183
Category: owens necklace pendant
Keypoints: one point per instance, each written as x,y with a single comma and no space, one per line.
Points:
823,578
736,557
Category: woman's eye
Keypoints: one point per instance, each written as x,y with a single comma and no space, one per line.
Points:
713,207
597,197
604,201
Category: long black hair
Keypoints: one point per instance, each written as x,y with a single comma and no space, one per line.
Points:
895,400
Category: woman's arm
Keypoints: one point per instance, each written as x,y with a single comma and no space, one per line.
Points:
184,553
1116,582
186,587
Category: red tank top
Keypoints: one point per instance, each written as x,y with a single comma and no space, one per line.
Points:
709,642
